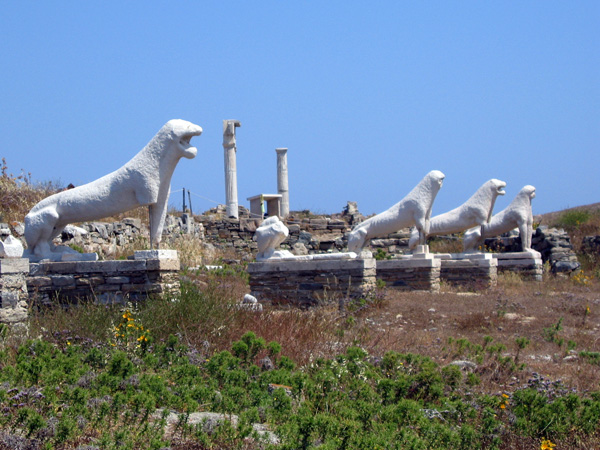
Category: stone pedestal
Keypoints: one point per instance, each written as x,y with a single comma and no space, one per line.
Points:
419,272
13,290
151,272
478,270
311,283
528,265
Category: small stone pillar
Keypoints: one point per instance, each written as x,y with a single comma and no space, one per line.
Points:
229,144
13,289
282,181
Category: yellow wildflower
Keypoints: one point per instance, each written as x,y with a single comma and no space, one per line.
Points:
547,445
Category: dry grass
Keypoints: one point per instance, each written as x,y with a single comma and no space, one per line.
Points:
424,323
18,194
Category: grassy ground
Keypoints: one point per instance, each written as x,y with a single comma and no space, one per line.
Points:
374,376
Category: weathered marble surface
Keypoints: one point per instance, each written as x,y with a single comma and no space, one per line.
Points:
144,180
516,215
414,209
11,248
475,211
230,147
269,235
273,232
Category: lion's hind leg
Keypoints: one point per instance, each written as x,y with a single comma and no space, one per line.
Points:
40,229
356,240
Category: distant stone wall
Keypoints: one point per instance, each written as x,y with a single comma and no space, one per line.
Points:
554,245
591,244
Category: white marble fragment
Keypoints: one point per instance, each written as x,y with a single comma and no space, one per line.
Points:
144,180
74,230
248,298
269,235
516,215
474,212
414,209
11,248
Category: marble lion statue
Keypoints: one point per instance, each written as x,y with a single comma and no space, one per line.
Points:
412,210
516,215
269,235
144,180
474,212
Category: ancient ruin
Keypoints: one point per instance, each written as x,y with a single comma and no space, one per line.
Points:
230,147
144,180
414,209
516,215
475,211
282,181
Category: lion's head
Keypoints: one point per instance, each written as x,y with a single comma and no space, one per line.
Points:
181,132
436,177
528,191
496,186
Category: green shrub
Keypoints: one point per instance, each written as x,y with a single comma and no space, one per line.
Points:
573,218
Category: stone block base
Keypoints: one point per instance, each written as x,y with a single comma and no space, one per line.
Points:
13,290
414,274
525,264
102,281
311,283
478,270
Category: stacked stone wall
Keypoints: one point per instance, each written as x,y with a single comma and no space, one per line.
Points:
13,290
103,281
409,274
553,244
311,283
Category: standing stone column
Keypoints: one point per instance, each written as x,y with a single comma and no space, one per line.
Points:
282,181
229,144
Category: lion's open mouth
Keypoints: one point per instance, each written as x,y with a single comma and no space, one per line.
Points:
500,190
184,142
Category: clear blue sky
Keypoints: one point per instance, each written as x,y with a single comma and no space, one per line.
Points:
367,96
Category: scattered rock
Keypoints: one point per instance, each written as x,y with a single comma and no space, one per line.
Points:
266,364
11,248
464,365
